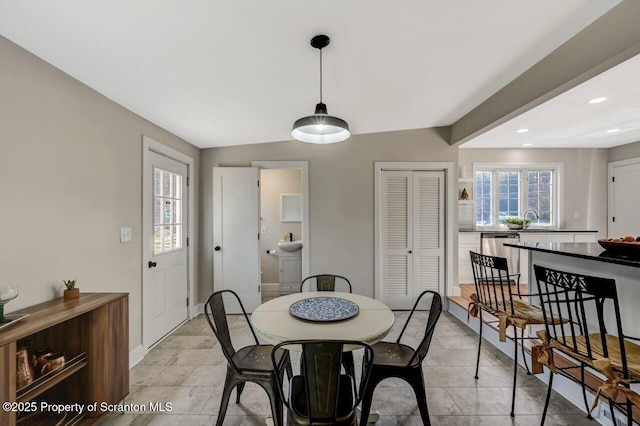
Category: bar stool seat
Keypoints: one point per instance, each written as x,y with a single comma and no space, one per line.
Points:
597,352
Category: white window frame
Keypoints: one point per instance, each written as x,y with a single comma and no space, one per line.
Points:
557,190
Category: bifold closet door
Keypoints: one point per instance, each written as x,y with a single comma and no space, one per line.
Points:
412,235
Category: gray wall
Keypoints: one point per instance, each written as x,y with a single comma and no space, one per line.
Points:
70,177
585,177
624,152
340,194
274,182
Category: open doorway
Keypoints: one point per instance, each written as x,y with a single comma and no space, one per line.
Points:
284,217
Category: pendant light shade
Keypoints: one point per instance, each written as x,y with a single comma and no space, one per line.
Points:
320,128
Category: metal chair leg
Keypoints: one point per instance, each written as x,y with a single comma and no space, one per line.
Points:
546,401
230,382
239,390
479,344
515,371
584,392
416,380
524,357
349,364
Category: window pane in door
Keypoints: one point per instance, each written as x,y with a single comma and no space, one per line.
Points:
167,213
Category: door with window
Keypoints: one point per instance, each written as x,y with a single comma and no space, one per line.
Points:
411,235
165,281
624,198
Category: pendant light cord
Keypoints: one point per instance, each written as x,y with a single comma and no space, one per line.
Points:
320,75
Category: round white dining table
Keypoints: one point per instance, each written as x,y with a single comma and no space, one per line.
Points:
274,324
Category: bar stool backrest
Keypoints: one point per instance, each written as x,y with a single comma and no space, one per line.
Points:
492,282
580,301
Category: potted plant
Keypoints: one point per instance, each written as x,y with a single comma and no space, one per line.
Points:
71,292
513,222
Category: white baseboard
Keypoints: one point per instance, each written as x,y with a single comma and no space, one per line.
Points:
136,355
272,287
197,310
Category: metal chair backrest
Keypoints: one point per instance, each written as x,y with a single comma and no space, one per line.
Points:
216,315
321,371
574,308
434,314
325,282
492,282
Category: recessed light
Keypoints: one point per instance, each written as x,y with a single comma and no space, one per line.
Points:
613,130
527,144
597,100
522,130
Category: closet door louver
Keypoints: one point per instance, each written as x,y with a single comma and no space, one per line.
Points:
412,235
428,253
396,235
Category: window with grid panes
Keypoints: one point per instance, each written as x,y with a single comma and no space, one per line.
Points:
503,191
167,211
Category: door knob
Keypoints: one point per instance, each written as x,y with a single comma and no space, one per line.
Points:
217,248
152,264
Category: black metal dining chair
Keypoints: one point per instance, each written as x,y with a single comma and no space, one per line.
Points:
320,395
325,282
249,364
580,310
394,359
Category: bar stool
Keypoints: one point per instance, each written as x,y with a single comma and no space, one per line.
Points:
495,295
578,309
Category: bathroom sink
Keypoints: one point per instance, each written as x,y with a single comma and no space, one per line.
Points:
290,246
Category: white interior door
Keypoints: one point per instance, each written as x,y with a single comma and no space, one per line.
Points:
411,235
236,219
625,200
165,284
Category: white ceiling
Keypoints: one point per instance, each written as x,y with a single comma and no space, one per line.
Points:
231,72
570,121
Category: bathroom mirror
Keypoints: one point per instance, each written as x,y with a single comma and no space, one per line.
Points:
290,208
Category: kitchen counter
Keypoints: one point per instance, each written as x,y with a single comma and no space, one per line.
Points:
591,251
526,231
591,259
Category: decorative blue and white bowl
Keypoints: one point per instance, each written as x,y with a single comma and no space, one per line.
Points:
324,309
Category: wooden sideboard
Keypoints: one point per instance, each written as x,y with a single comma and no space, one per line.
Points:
93,331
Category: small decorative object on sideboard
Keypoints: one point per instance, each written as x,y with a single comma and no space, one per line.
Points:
24,370
7,293
71,291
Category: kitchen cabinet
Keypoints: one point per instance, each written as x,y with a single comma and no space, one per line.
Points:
93,331
468,241
290,264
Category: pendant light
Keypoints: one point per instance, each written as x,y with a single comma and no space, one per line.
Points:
320,128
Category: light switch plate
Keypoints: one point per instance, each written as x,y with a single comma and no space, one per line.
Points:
263,231
125,234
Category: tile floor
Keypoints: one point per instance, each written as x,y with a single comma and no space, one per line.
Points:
188,370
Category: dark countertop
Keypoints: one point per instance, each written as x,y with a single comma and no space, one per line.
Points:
526,231
592,251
